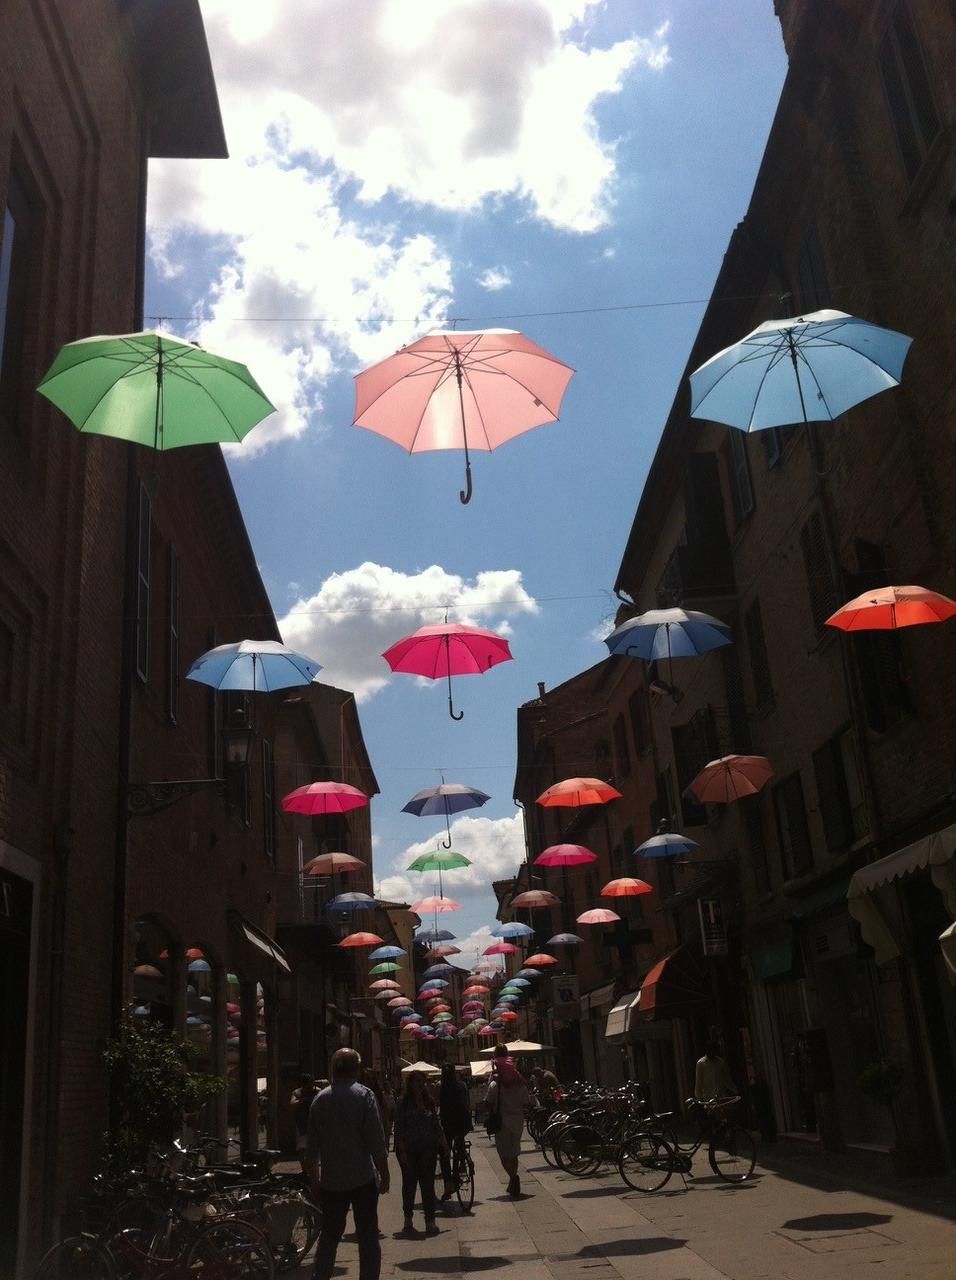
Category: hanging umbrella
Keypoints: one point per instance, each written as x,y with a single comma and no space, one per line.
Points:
353,902
542,957
434,935
668,633
574,792
500,949
361,940
382,983
461,390
440,860
533,973
324,797
199,966
565,855
518,982
387,953
564,940
442,950
410,1016
435,983
731,777
146,971
437,906
598,915
154,389
259,666
625,887
508,1017
513,929
439,970
473,989
332,864
668,844
397,1002
535,898
449,798
448,649
488,1032
387,966
387,994
808,369
886,608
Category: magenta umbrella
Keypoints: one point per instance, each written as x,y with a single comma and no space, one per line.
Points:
324,797
449,388
565,855
448,649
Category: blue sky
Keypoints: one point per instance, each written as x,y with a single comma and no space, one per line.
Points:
401,162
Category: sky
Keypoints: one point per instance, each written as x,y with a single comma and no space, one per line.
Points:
399,164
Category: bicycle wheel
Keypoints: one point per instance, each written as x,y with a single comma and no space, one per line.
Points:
463,1173
76,1258
733,1153
300,1234
645,1162
235,1245
577,1150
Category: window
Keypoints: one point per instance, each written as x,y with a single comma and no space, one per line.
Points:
640,721
816,561
172,636
142,585
759,661
695,743
792,826
840,796
18,254
752,810
908,94
738,469
622,759
268,799
237,714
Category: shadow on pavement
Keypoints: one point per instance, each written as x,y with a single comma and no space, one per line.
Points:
829,1172
837,1221
453,1264
584,1193
630,1248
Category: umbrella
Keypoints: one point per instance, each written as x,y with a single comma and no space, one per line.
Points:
353,902
397,1002
542,957
500,949
435,905
154,389
439,970
387,953
453,389
387,966
565,855
669,844
361,940
625,887
435,983
141,1011
508,1017
448,649
434,935
474,990
513,929
598,915
574,792
388,993
450,797
331,864
424,1068
731,777
670,634
886,608
518,982
147,971
382,983
535,898
808,369
564,940
199,966
533,973
259,666
442,950
324,797
488,1031
410,1016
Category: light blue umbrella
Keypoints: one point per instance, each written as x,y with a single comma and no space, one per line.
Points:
808,369
387,953
258,666
434,984
518,982
533,973
668,633
434,935
513,929
438,970
353,902
563,940
199,966
669,844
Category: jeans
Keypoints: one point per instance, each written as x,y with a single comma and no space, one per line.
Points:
419,1170
335,1207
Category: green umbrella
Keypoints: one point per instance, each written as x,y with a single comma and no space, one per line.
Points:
154,389
387,966
439,860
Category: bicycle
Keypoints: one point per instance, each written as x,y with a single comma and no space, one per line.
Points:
651,1157
462,1169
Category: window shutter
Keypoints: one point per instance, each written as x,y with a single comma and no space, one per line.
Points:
820,584
759,660
832,795
912,110
741,490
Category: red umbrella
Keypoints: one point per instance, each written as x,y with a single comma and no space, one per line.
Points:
626,887
535,898
598,915
500,949
331,864
540,960
731,777
886,608
361,940
475,990
435,905
448,649
574,792
324,797
565,855
457,389
488,1032
507,1017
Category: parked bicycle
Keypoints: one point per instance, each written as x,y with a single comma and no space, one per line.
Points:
648,1160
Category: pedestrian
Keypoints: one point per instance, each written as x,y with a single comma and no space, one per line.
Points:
455,1114
388,1110
418,1142
712,1075
508,1100
300,1103
545,1084
345,1153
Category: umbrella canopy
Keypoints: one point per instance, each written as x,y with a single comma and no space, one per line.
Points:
574,792
542,957
383,984
434,935
154,389
565,855
442,950
448,649
388,993
508,1016
675,988
332,864
397,1002
625,887
439,970
461,390
808,369
259,666
386,966
439,860
387,953
533,973
147,971
361,940
886,608
668,633
669,844
324,797
488,1031
475,990
353,902
512,929
535,898
500,949
422,1068
446,799
731,777
564,940
518,982
436,906
598,915
199,966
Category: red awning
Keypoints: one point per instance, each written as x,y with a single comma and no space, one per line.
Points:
674,988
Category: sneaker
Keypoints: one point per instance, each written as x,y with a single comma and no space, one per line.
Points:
431,1227
514,1186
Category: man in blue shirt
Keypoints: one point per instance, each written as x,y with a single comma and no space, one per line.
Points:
346,1157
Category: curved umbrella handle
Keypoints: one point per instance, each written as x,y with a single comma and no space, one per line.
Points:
464,495
455,715
446,844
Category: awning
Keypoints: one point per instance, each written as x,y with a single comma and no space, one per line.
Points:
621,1017
935,853
260,940
947,943
675,987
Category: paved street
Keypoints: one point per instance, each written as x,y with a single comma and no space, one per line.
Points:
775,1228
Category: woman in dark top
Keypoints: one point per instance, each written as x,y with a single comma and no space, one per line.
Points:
455,1116
418,1141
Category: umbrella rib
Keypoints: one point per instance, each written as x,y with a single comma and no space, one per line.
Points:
481,417
761,354
189,377
772,363
93,408
816,381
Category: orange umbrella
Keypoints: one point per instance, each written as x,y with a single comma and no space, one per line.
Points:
361,940
573,792
330,864
539,960
535,898
626,887
435,905
507,1017
475,990
598,915
730,778
886,608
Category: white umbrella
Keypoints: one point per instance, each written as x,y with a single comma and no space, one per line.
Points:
425,1067
521,1046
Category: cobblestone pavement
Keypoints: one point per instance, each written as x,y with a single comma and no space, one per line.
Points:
781,1226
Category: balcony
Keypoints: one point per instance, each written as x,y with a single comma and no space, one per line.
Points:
697,575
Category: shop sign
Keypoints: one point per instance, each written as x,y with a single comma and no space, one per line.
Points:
713,931
564,994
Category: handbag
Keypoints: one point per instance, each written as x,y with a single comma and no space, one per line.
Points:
493,1123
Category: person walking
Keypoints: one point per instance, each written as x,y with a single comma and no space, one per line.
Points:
348,1165
300,1102
455,1115
508,1100
418,1141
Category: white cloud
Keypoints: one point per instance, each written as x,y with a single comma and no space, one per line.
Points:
494,846
494,278
356,615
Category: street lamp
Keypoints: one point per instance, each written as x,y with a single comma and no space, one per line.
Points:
143,798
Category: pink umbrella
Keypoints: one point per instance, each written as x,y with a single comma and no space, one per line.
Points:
440,952
488,1032
324,797
435,905
731,777
565,855
599,915
398,1002
625,887
361,940
330,864
449,388
448,649
535,898
500,949
383,984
